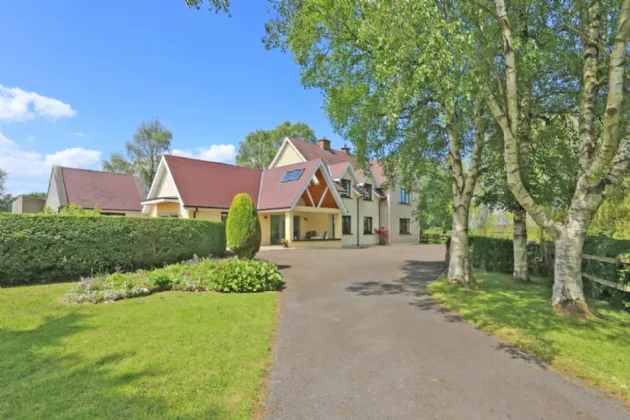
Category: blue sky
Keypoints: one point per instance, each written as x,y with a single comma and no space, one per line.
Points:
78,77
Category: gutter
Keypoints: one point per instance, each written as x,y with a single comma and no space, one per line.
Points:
195,212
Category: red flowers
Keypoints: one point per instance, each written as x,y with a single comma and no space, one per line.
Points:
188,273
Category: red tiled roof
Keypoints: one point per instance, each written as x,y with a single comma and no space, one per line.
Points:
337,169
275,194
333,157
211,184
108,190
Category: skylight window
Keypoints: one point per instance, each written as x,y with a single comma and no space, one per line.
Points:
286,176
292,175
296,175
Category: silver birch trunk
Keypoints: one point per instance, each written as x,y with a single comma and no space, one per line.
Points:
459,267
520,273
603,162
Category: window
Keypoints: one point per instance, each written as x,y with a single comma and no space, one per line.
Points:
224,215
404,227
296,175
368,192
346,225
367,225
292,175
347,185
404,196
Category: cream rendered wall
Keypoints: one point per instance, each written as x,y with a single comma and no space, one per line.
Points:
313,221
158,210
205,214
398,211
167,186
368,209
288,156
265,228
52,199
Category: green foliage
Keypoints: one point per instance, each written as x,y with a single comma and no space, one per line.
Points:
230,275
613,218
213,5
166,356
497,254
38,248
606,247
243,227
234,275
5,198
76,210
260,147
150,141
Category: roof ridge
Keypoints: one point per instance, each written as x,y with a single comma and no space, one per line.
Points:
213,162
95,170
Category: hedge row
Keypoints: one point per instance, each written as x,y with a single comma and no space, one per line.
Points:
496,254
38,248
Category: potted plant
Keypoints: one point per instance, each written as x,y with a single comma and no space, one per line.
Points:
284,242
383,235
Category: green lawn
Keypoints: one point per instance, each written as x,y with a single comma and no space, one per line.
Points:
597,350
168,355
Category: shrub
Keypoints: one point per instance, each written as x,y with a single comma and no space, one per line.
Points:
234,275
45,248
497,254
243,227
222,275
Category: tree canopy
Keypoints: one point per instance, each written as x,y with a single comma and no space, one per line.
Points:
259,147
142,154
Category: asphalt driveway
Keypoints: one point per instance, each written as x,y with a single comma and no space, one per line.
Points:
359,338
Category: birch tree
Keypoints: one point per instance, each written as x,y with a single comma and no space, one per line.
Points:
388,90
602,29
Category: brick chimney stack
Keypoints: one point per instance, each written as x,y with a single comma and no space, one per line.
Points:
345,149
324,143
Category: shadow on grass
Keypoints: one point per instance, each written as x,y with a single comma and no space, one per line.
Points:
39,378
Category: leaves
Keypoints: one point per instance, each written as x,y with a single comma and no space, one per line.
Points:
143,154
259,148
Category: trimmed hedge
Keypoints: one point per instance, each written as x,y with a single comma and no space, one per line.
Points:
496,254
243,227
38,248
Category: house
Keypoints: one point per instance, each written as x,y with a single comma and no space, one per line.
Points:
371,200
114,194
298,202
28,204
311,196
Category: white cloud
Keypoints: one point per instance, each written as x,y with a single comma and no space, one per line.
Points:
214,153
79,134
19,162
19,105
31,138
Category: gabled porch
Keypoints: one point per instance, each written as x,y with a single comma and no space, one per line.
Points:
314,220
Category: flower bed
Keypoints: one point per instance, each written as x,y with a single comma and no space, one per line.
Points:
221,275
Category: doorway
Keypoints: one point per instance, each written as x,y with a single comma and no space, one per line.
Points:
277,229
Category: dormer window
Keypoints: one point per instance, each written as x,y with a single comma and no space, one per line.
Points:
368,192
347,186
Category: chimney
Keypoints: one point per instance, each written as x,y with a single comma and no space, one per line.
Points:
345,149
324,143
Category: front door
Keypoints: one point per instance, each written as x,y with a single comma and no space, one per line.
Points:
277,229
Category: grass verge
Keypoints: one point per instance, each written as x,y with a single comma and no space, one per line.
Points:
168,355
595,350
